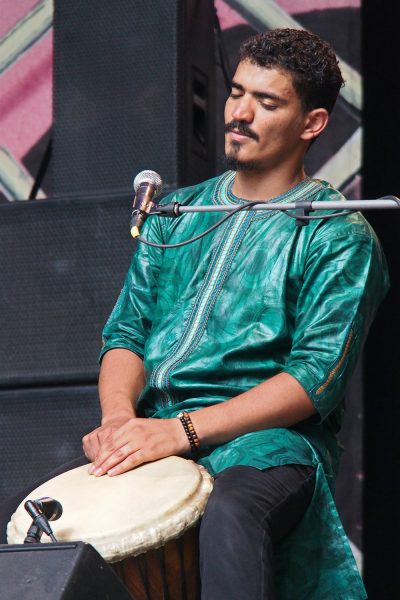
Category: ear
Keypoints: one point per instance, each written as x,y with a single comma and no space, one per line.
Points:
315,122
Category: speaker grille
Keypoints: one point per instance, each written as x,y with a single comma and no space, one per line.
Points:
42,428
121,103
63,265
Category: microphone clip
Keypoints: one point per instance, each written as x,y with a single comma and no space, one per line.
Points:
42,511
169,210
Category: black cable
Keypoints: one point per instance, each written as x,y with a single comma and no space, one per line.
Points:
321,217
197,237
247,206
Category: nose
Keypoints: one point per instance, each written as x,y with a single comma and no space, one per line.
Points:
242,110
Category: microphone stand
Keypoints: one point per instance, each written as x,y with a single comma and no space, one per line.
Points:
33,535
302,208
40,523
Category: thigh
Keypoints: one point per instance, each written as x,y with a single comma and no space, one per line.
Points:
9,506
276,497
247,513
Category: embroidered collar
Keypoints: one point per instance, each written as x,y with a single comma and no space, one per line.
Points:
223,193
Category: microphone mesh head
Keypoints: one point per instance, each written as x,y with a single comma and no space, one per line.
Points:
148,177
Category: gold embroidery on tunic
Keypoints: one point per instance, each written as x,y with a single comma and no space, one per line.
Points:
338,364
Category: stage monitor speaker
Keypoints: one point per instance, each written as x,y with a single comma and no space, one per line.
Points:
63,266
73,571
42,428
133,90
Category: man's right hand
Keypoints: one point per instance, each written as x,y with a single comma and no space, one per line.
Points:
93,441
120,383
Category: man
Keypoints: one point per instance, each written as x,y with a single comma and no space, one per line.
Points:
254,332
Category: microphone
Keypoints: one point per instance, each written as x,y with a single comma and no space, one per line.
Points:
147,185
51,508
42,511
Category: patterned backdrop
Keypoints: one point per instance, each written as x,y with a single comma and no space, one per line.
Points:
26,46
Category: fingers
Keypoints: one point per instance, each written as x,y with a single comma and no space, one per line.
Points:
122,460
93,442
137,441
115,447
134,460
91,445
114,456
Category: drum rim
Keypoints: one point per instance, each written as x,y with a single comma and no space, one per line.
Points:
142,539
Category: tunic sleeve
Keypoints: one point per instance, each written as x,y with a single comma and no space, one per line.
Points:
344,281
131,319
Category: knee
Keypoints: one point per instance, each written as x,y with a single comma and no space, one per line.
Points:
232,525
228,503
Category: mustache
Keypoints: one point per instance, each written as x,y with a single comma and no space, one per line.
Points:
241,127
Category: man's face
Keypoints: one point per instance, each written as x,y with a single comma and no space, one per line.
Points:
264,119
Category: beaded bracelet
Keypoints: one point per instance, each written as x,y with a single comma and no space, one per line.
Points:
190,431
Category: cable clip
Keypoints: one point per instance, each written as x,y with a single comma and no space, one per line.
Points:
303,208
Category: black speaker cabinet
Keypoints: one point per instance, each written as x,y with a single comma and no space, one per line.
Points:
42,428
73,571
63,266
133,90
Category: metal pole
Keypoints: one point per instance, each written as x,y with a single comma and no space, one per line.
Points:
384,204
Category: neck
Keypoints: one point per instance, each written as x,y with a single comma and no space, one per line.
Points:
252,185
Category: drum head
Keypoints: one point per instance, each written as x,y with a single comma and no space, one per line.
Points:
124,515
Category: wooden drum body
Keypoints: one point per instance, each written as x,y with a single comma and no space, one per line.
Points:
123,517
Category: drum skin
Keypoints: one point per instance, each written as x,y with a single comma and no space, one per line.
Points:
141,511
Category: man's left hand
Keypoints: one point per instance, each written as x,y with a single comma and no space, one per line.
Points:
139,441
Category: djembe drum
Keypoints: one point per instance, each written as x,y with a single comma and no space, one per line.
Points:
143,521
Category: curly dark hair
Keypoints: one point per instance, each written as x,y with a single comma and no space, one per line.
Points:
311,62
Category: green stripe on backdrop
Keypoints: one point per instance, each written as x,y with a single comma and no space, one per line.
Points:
25,34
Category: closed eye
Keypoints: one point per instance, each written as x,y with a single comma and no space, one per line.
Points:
269,106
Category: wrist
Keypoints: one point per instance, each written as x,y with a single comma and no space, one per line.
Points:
182,443
187,427
117,416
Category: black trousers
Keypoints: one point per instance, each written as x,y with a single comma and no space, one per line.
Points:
248,512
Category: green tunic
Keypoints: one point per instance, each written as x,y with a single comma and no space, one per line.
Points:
257,297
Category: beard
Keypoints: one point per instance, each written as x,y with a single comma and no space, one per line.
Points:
233,163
